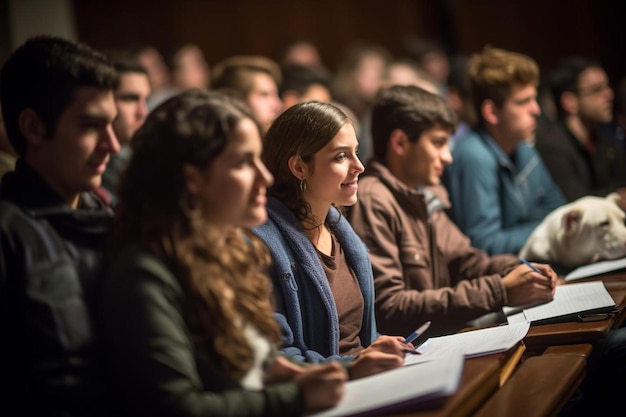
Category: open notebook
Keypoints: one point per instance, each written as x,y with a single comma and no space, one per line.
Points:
572,302
414,387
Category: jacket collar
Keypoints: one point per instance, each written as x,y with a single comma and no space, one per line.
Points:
401,190
26,188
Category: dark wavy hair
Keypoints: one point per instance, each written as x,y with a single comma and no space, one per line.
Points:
301,130
220,273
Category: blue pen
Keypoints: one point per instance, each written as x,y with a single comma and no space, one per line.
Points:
420,330
524,261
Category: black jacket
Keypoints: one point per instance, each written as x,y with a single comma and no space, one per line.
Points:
50,267
574,169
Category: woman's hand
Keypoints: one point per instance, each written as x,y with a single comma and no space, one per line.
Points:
387,352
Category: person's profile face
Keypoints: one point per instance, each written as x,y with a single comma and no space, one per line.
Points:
263,99
518,115
427,157
332,175
74,157
595,96
132,109
234,186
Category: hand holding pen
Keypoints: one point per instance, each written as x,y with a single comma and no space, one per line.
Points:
529,284
545,270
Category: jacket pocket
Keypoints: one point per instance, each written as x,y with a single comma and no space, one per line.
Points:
415,267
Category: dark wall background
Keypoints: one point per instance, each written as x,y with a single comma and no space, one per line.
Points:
546,30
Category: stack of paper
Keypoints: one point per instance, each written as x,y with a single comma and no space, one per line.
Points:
408,387
571,303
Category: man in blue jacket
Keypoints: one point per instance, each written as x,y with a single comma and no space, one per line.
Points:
499,187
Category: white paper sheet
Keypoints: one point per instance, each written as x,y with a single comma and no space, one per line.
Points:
470,344
597,268
570,299
401,387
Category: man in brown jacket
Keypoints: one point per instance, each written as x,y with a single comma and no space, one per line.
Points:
424,267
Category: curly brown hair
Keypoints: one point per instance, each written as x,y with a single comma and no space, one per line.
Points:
221,273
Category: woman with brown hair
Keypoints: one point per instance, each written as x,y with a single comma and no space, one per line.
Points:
188,323
322,274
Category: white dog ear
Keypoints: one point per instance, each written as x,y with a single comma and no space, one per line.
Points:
571,220
614,197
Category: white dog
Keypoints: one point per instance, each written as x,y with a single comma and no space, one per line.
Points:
584,231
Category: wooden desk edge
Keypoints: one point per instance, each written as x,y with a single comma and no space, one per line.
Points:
527,395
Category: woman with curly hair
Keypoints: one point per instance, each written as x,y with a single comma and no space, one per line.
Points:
186,310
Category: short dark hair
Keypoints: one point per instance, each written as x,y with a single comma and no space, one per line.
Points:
564,77
43,74
410,109
300,78
125,61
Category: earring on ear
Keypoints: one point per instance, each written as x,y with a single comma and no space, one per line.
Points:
302,185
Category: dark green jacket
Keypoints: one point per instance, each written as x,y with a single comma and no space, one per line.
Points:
160,371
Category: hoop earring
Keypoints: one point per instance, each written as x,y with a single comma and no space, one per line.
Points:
302,185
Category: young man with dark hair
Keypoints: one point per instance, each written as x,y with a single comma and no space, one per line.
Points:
131,97
581,151
424,267
58,107
302,83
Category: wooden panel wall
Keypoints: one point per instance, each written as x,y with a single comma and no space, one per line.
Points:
544,29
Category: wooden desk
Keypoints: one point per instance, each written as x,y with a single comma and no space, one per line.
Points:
540,387
542,384
479,381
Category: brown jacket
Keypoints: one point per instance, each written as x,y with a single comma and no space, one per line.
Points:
424,267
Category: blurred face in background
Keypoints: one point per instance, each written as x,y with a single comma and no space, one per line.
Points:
130,100
369,75
158,73
594,96
263,99
191,69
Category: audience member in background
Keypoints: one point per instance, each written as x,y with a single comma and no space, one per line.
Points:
189,68
301,52
431,56
581,150
158,74
301,83
406,72
424,267
188,324
499,187
8,156
358,78
131,97
58,107
321,274
257,79
459,96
